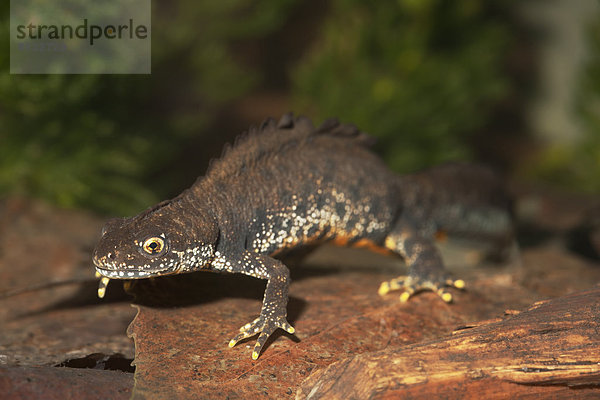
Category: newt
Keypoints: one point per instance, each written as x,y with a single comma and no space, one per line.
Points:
287,184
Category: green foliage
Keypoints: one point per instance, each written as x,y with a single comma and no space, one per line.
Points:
421,74
100,140
577,166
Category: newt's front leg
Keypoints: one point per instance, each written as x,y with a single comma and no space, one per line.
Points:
273,314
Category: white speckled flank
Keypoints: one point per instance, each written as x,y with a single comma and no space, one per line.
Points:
330,215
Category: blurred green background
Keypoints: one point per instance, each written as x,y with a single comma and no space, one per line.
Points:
433,80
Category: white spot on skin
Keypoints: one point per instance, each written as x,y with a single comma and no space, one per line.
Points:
317,218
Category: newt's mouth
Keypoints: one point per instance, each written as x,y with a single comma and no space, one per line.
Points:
123,270
106,275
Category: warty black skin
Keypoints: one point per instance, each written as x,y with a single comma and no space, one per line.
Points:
288,184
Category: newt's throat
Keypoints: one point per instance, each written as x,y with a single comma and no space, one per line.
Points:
128,274
106,275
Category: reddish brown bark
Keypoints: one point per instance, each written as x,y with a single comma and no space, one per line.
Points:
552,349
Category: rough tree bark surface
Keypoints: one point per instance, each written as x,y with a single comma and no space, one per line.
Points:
551,349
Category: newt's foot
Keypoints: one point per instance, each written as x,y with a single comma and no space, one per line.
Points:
412,285
265,326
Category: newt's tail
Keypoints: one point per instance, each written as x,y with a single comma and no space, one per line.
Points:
464,200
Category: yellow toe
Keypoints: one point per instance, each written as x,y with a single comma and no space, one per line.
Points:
447,297
404,297
459,284
384,289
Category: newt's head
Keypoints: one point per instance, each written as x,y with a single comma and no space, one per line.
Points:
166,239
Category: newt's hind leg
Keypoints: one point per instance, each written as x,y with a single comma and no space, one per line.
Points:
426,269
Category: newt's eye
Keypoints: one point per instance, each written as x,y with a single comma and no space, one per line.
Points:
154,245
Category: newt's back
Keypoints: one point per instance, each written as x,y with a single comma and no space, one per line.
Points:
291,184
